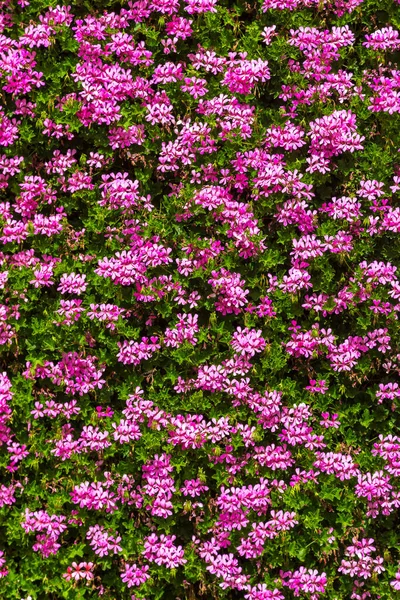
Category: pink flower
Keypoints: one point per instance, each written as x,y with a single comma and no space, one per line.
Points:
72,283
134,575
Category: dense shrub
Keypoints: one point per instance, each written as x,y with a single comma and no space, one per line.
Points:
199,339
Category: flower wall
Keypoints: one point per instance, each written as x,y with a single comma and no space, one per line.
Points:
199,300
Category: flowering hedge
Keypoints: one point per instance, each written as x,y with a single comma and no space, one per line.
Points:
199,339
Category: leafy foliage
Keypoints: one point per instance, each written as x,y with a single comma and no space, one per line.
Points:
199,337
